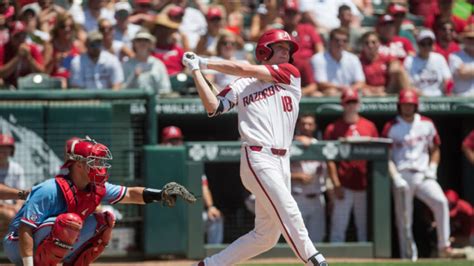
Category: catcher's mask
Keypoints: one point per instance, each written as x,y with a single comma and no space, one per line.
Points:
94,154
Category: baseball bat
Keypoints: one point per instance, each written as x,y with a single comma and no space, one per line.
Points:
210,84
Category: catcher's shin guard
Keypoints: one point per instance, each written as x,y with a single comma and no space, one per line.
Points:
64,234
92,249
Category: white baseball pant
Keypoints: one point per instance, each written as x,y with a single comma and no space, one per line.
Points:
267,176
430,192
313,210
353,200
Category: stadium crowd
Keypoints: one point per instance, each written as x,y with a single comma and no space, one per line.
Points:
367,48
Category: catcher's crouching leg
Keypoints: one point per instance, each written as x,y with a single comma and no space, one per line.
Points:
64,234
92,248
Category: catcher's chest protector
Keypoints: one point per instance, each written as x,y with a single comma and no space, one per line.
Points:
80,202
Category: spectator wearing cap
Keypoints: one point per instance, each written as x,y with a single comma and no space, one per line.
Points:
428,71
176,13
124,31
167,48
346,19
349,177
194,24
383,73
117,48
337,69
29,17
143,70
392,44
468,147
212,216
461,220
89,16
399,12
323,13
226,49
266,16
17,57
63,48
445,44
11,174
462,65
143,12
96,68
206,45
309,43
446,13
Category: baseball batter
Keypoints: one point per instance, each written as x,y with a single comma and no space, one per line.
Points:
267,99
415,156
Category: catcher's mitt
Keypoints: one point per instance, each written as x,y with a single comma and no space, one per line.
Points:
172,190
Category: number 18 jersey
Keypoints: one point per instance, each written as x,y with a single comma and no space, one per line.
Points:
267,111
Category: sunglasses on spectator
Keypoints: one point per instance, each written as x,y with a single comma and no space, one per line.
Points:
425,43
66,26
228,43
215,19
95,45
106,29
370,42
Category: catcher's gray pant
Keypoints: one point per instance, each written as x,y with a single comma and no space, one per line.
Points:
353,200
313,210
430,192
267,176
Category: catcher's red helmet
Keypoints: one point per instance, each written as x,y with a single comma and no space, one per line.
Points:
94,154
263,51
9,141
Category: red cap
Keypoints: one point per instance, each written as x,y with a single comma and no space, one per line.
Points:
214,12
291,5
348,95
453,199
171,132
17,27
386,18
6,140
142,1
395,8
176,11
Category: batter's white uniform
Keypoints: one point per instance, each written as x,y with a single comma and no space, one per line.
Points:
410,153
267,113
310,197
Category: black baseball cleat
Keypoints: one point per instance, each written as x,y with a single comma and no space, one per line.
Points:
318,260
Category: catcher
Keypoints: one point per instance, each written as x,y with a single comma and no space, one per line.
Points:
58,222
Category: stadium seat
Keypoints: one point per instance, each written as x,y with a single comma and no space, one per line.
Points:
37,81
181,83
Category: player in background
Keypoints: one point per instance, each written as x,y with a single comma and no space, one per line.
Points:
58,222
349,177
468,147
308,182
267,99
413,164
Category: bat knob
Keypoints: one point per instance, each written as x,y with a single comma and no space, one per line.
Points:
190,56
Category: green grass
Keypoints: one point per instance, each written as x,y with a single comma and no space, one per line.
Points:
401,263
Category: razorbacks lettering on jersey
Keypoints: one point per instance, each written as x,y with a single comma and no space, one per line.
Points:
411,142
267,111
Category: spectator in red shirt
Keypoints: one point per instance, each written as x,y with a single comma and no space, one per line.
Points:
424,8
399,12
309,44
461,216
63,48
445,44
349,177
167,50
446,13
392,44
7,14
468,147
18,58
383,73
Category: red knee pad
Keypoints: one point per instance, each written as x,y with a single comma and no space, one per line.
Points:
92,249
64,234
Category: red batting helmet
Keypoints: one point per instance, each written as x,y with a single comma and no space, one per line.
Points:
264,51
93,153
408,96
7,140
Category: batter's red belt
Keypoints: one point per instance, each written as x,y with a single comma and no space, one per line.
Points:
279,152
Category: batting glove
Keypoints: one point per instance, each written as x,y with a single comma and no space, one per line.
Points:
432,171
399,182
191,61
